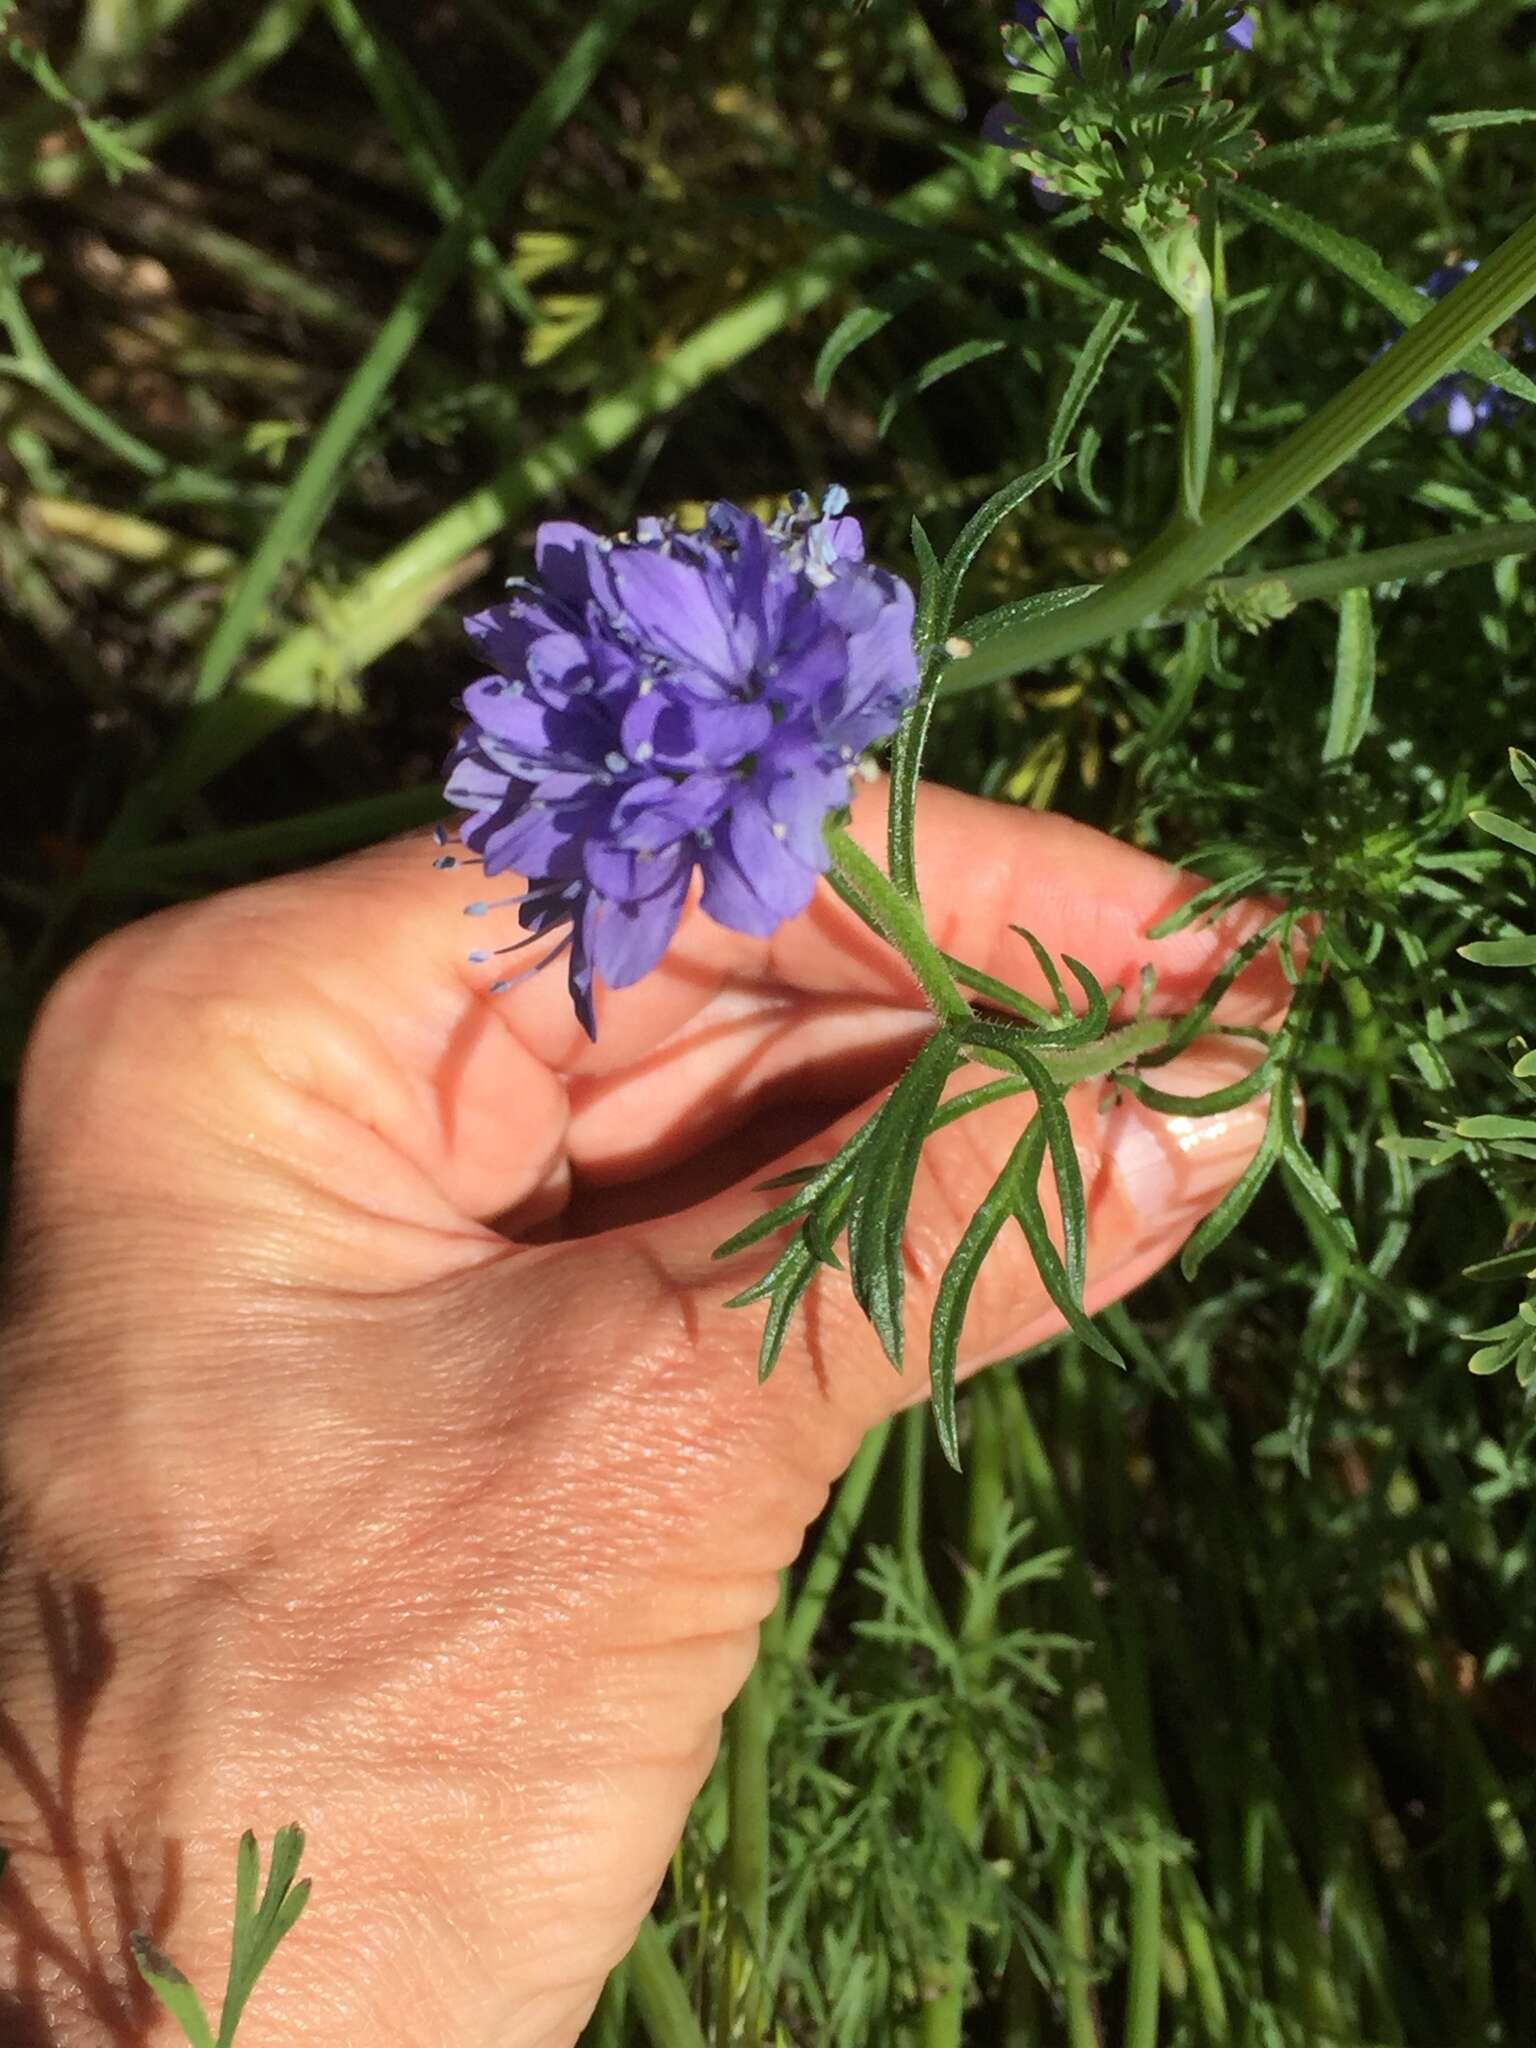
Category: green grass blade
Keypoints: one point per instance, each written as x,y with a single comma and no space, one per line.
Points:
310,494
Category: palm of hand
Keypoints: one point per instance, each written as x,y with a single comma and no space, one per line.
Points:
370,1361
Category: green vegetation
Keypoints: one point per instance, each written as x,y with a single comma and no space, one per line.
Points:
1198,1707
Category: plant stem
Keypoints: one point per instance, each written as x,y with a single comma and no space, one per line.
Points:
901,922
964,1770
848,1505
747,1857
1407,562
1199,421
659,1994
1074,1920
1179,558
1305,582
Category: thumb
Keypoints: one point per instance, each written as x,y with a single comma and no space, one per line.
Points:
1148,1179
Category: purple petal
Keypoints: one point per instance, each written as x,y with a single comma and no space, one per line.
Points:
630,938
671,605
634,877
570,561
752,882
658,812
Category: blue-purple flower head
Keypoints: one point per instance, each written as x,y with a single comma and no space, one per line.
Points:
1462,404
676,703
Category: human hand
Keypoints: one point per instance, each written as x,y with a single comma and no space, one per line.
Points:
377,1449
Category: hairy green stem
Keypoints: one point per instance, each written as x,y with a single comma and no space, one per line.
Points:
1179,558
900,920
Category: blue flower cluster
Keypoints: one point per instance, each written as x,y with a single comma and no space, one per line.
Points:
669,703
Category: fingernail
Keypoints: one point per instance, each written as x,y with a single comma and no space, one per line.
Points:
1174,1166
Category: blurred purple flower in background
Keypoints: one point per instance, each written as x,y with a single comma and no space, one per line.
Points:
1466,404
669,702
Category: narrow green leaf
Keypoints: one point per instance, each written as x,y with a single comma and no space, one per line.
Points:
1017,613
1494,1357
1193,1023
1048,968
1516,952
1363,267
1066,1169
999,992
978,530
1499,827
878,1221
1388,135
929,585
1091,363
1496,1127
1240,1197
1053,1274
816,1182
172,1990
860,326
787,1296
1215,1103
960,357
1523,769
1354,677
953,1299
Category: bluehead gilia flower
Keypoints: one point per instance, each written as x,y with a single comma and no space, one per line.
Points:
673,703
1465,404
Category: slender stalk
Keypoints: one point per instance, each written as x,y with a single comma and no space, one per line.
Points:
1198,425
909,1513
1405,563
1074,1921
1142,1992
747,1849
964,1768
1308,582
419,127
1178,559
658,1993
901,921
848,1505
